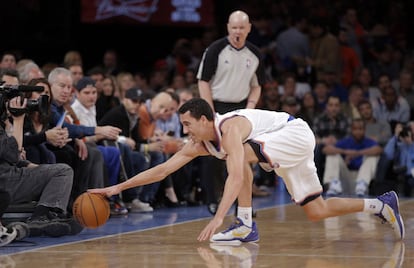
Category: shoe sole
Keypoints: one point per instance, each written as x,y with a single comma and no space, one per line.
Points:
53,229
232,242
226,243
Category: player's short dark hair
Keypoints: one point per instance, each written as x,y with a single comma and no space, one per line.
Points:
197,107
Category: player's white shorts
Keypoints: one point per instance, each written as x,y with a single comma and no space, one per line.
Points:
291,151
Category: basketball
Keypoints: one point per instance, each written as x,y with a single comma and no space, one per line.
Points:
91,210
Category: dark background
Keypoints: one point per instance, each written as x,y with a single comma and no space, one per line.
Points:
44,30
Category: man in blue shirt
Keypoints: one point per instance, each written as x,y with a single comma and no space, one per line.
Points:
353,157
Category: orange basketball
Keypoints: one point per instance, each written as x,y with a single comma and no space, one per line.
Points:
91,210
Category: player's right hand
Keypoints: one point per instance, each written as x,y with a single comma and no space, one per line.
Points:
108,191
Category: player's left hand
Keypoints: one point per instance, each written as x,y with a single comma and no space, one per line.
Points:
210,229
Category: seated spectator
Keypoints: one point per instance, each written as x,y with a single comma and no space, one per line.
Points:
335,88
364,79
124,80
184,94
87,160
380,131
353,157
76,70
49,185
162,106
270,99
30,71
355,95
329,127
125,117
405,86
308,110
106,99
85,109
399,151
291,87
321,93
391,106
97,74
8,60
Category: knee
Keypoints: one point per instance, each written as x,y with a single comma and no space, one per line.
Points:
65,170
315,216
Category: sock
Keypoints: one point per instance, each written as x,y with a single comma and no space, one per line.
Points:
373,205
245,214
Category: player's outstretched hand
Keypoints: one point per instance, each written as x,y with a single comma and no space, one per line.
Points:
209,230
108,191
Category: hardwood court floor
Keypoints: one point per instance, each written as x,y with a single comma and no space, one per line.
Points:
288,239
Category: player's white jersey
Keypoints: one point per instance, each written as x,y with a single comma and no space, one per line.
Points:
263,121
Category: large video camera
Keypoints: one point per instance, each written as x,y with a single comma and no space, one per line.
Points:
8,92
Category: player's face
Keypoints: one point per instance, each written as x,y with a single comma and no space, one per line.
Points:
195,129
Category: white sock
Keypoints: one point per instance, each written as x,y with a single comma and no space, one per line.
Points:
372,205
245,214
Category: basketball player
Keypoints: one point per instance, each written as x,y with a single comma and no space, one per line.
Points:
277,141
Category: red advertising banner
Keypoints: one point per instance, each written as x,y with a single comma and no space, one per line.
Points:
152,12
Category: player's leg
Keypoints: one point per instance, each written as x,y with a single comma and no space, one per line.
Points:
386,207
243,229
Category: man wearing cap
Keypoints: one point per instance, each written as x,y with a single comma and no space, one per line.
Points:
125,117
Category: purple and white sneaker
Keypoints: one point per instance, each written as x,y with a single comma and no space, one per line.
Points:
237,233
390,213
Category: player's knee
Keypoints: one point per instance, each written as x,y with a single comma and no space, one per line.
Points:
314,216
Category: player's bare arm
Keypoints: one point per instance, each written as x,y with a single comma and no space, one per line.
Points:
234,132
157,173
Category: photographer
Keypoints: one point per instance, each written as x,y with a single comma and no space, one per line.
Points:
49,185
400,151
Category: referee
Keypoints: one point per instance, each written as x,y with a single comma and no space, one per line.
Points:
230,76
